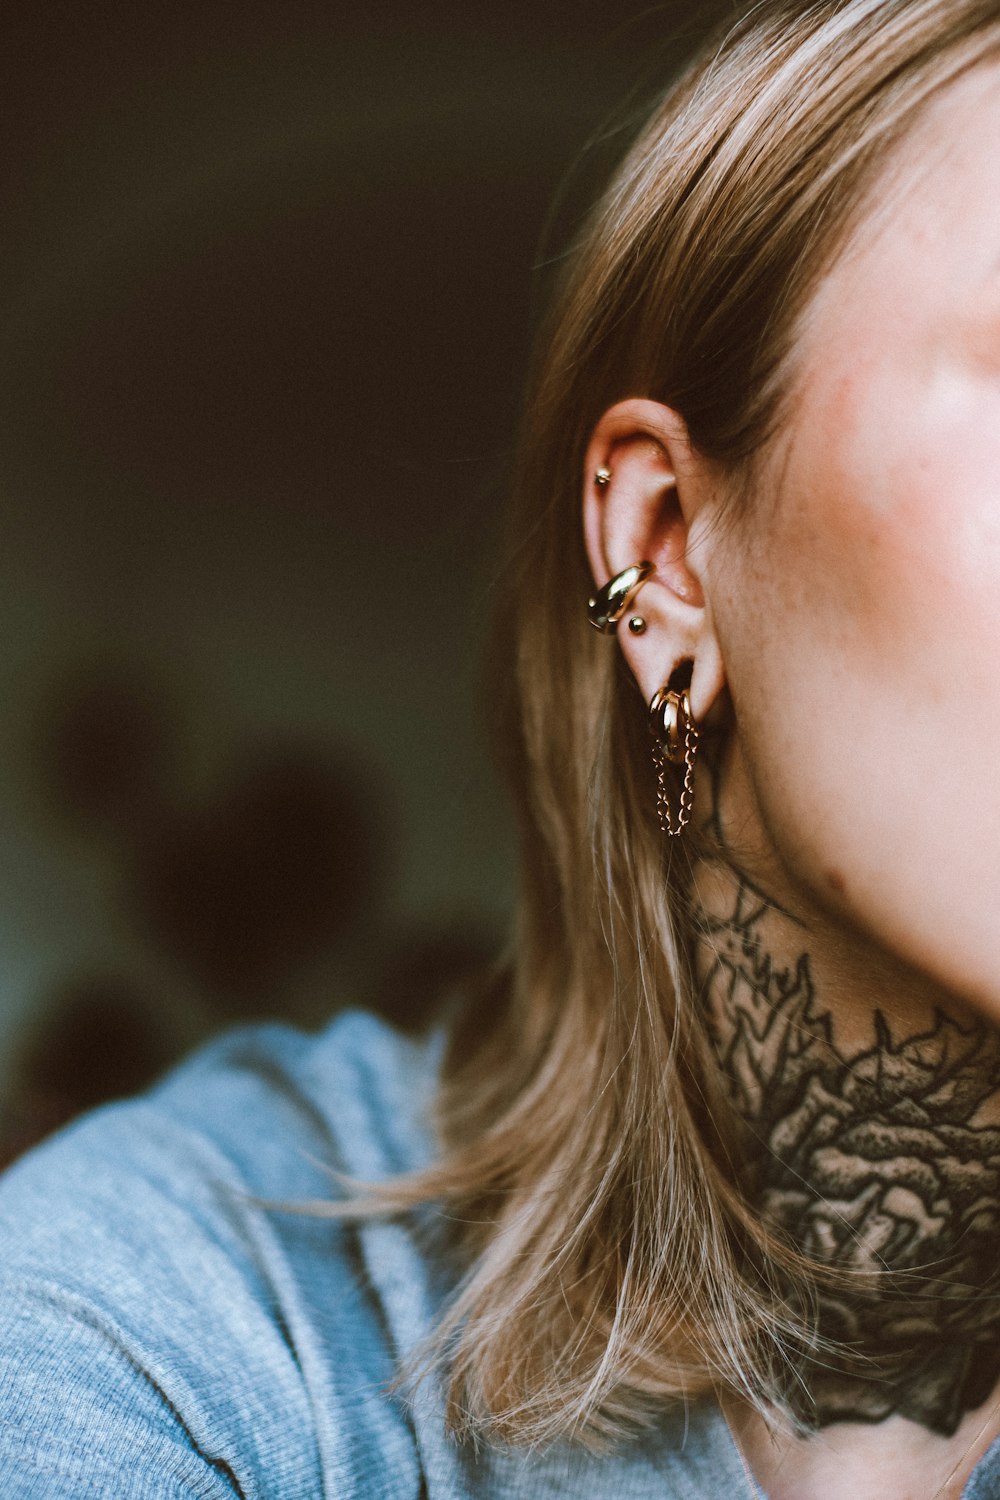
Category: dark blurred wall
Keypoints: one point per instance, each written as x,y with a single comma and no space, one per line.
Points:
268,275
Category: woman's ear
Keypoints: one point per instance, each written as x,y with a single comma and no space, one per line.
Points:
647,497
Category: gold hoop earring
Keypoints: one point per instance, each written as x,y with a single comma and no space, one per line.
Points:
606,607
675,742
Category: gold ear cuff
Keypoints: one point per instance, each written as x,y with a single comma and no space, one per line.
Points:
606,607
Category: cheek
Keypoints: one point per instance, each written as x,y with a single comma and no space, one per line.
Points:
866,683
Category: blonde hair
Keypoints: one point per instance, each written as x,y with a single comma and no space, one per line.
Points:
611,1262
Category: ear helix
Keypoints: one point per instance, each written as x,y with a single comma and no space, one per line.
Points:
671,722
606,608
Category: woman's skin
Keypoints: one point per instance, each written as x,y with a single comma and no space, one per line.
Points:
845,633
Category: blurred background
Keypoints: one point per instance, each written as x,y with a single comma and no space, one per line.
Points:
268,277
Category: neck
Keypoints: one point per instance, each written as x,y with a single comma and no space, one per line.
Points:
868,1131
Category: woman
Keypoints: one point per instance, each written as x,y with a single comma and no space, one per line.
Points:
716,1192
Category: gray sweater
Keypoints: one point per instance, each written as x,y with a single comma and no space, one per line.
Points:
163,1335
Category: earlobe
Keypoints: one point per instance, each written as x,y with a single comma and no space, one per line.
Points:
642,491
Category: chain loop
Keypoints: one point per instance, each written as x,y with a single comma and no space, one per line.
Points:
666,711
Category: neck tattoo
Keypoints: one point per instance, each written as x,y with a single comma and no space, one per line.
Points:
871,1162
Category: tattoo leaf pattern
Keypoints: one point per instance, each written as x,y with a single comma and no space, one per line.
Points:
871,1163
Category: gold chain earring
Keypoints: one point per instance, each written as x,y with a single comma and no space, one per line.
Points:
675,742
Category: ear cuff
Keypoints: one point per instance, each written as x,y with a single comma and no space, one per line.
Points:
606,607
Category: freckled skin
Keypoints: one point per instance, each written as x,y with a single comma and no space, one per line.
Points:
850,917
849,783
860,624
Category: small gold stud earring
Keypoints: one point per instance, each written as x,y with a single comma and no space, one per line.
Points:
637,625
602,478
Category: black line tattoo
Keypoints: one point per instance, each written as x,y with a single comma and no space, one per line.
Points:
872,1163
